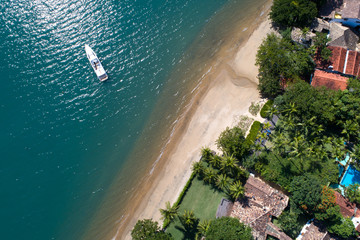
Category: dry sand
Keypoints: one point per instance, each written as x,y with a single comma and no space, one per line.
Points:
228,97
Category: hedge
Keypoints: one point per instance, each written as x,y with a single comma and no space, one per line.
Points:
265,108
251,137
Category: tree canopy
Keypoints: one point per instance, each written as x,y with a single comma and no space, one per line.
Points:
227,228
280,62
232,142
293,13
306,192
147,229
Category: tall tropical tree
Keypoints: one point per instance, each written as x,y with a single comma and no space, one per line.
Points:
223,182
202,228
215,162
206,154
271,112
229,165
198,169
236,190
169,213
188,220
210,175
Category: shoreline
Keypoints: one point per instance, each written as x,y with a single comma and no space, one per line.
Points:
216,106
224,86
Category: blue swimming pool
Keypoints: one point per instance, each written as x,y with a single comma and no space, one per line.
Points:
351,176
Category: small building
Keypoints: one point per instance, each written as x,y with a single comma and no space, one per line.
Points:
256,209
345,8
330,80
342,36
347,208
314,231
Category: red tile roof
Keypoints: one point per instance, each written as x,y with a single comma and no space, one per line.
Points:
338,58
329,80
347,208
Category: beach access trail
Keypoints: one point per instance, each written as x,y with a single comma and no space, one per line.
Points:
228,96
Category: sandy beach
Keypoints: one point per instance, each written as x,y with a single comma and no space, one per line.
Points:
227,97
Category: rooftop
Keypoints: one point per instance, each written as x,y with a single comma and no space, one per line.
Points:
347,208
314,231
347,8
260,202
329,80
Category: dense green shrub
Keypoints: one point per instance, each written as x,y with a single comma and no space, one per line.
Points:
293,13
254,130
264,110
231,142
148,229
227,228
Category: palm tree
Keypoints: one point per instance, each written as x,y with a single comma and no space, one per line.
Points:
188,220
228,164
209,175
169,213
271,112
223,182
290,110
206,154
215,162
203,227
236,190
198,169
349,127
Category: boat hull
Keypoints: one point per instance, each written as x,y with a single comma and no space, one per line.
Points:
96,64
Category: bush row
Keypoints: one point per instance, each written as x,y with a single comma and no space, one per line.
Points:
265,108
251,137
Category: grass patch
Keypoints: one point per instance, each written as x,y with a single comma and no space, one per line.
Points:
200,198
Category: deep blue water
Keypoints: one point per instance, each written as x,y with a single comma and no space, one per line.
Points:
64,135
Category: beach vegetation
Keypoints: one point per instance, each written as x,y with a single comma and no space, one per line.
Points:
264,112
228,228
280,63
244,122
169,213
293,13
254,108
232,142
149,229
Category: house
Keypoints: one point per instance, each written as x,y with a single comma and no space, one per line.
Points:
342,36
345,8
314,231
330,80
256,209
347,208
334,73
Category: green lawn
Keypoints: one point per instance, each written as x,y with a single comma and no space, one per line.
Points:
200,198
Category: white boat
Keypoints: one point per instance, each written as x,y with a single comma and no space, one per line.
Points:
96,64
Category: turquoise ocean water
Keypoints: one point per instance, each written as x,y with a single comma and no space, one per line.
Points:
64,135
